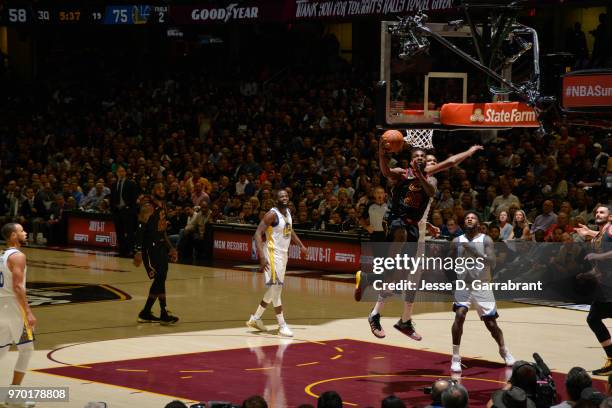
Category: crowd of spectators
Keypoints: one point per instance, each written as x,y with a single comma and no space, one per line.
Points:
521,390
222,149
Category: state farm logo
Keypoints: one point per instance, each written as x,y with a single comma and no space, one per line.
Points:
512,116
103,238
81,237
343,257
477,116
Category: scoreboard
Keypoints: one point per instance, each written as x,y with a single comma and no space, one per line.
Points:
109,15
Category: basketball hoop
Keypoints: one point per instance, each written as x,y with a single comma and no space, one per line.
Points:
420,138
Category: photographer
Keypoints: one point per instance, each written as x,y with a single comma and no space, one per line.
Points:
576,381
436,390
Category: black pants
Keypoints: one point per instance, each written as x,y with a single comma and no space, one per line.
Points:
155,260
125,225
600,311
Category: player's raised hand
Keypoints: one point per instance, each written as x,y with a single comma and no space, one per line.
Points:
475,148
582,230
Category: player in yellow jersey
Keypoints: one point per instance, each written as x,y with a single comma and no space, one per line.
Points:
276,225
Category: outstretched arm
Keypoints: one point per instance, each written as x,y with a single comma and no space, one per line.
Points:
453,160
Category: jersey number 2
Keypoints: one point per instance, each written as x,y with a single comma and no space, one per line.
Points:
1,280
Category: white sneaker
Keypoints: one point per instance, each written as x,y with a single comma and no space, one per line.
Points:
456,364
508,358
256,324
284,330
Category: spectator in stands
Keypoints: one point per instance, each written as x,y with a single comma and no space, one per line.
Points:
241,184
176,404
254,402
495,233
451,229
510,398
562,224
329,399
198,197
455,396
351,223
123,200
524,376
520,226
504,225
392,402
544,220
57,221
446,201
437,389
503,202
576,381
95,197
32,213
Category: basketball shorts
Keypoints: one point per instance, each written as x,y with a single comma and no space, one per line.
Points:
484,300
276,265
155,260
14,327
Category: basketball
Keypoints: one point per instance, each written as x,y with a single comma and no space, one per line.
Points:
393,140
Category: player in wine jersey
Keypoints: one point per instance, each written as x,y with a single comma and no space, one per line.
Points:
480,248
153,248
601,259
276,225
405,324
17,321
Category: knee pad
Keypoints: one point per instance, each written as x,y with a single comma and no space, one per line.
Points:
25,354
276,300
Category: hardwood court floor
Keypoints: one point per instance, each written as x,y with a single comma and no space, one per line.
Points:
213,304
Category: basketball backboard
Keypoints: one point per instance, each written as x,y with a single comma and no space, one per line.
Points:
418,79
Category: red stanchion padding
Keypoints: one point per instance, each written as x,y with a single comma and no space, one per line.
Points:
494,114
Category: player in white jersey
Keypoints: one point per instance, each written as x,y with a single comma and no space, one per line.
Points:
276,225
16,319
480,248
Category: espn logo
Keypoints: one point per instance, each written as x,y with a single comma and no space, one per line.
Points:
80,238
103,238
343,257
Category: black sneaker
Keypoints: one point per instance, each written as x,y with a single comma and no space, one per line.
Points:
407,328
166,319
147,317
606,369
375,326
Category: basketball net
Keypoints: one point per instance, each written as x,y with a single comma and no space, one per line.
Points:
420,138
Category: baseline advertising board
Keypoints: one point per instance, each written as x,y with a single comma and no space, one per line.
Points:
91,232
322,255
